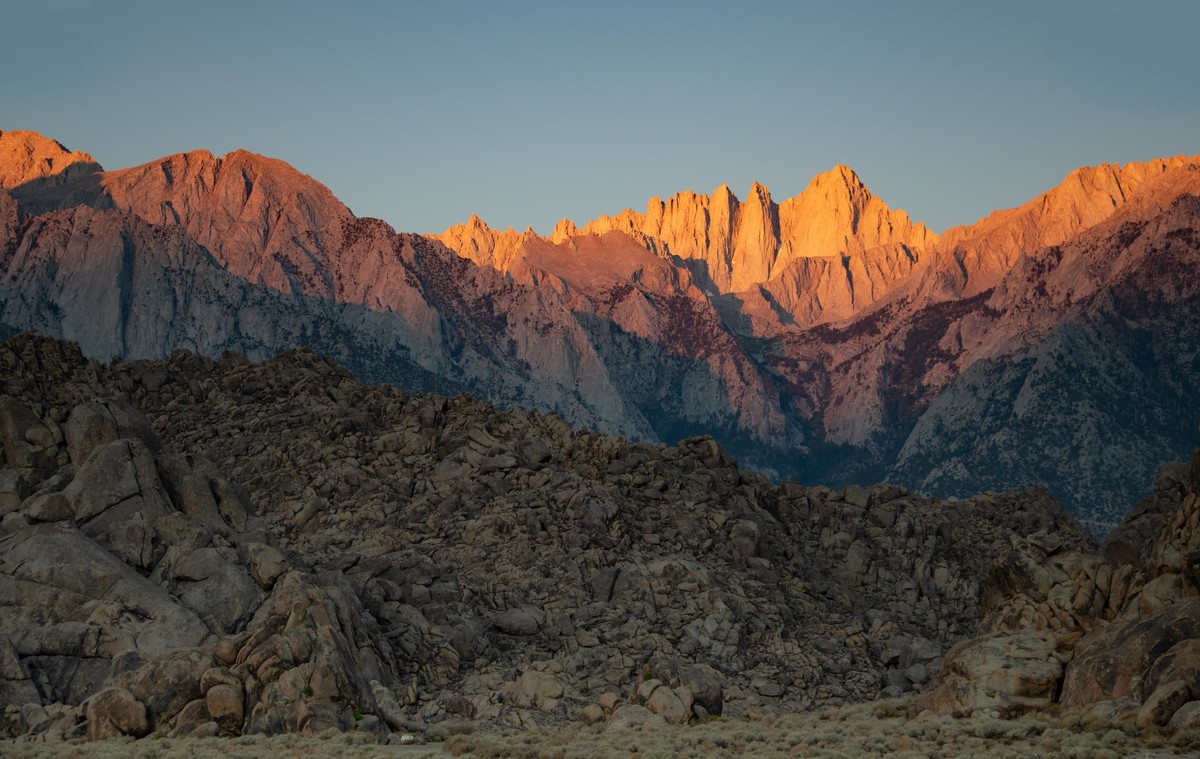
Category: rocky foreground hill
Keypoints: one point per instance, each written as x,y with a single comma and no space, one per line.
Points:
199,547
826,337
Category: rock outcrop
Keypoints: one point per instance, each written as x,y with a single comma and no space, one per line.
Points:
1114,635
193,547
141,593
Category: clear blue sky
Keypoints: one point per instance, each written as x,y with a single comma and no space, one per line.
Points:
525,112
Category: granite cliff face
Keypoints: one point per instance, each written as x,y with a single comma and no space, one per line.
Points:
1073,341
986,250
835,232
123,287
260,218
826,337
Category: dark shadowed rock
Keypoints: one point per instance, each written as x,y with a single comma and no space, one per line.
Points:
1108,664
115,712
516,622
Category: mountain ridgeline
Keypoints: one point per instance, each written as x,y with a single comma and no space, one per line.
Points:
825,337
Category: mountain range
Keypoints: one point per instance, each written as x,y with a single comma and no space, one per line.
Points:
826,337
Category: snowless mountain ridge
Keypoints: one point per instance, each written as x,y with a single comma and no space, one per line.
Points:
825,337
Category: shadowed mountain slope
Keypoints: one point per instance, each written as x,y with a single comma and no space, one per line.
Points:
826,337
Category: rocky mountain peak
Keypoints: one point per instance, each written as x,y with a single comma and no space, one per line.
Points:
723,192
26,156
742,244
841,174
983,252
478,242
564,230
260,217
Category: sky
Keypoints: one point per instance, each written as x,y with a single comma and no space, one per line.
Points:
422,113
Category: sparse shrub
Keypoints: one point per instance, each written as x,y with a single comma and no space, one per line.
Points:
440,731
849,732
989,730
1016,711
1186,738
1025,728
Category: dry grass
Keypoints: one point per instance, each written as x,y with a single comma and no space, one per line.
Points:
345,746
881,729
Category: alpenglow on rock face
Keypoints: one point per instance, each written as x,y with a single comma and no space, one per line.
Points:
736,245
825,337
28,157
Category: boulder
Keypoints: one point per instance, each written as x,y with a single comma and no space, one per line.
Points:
1180,662
591,714
13,490
227,706
517,622
994,671
1161,705
16,687
540,689
745,536
190,717
266,563
1187,717
48,507
169,682
16,420
1108,663
670,704
88,425
608,701
115,712
116,496
213,582
389,708
74,613
533,451
632,715
704,683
